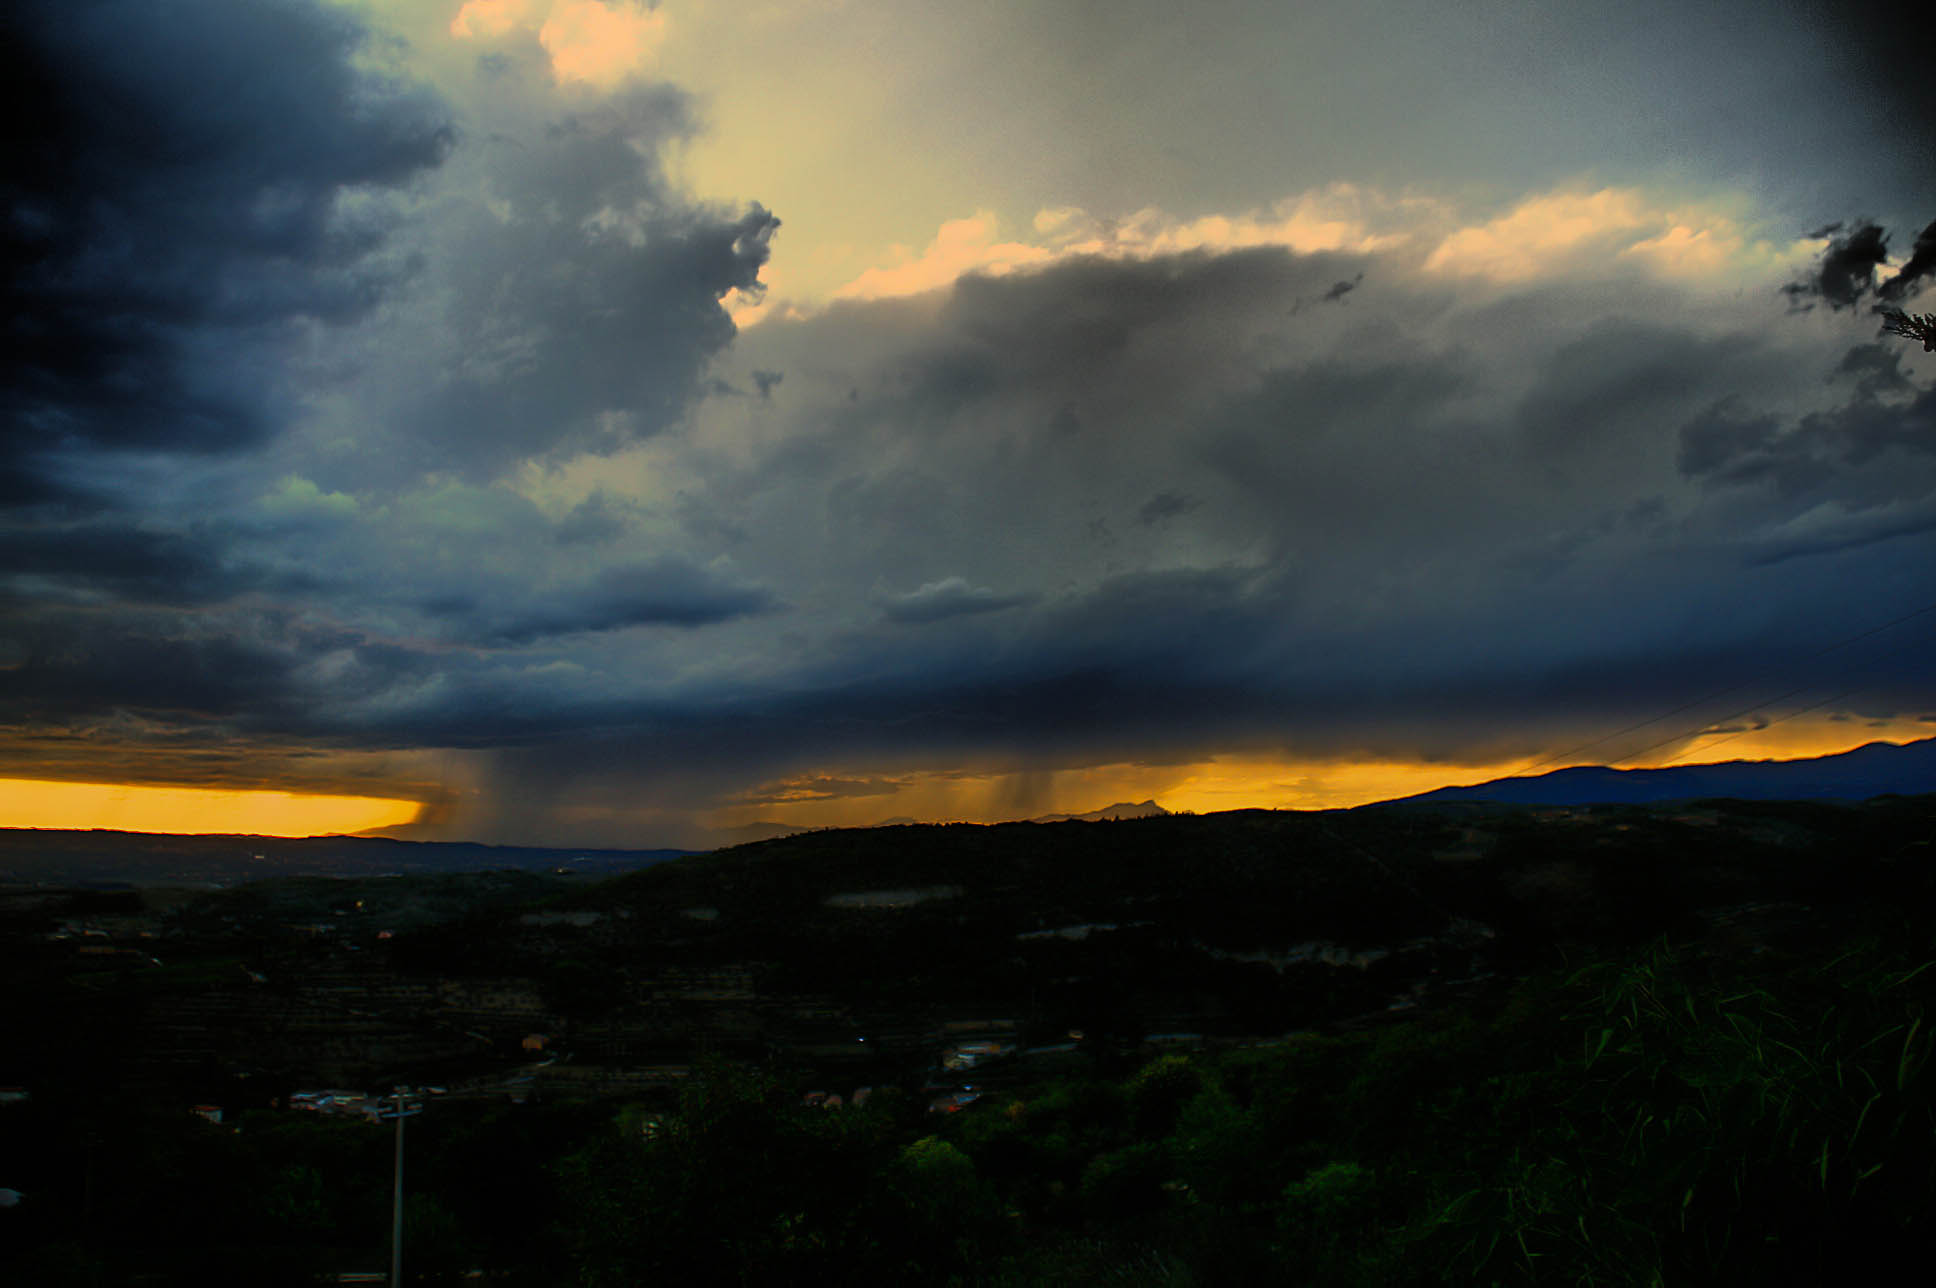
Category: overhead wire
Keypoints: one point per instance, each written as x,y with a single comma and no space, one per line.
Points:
1742,733
1799,711
1706,698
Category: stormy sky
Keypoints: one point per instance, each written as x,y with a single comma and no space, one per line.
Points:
612,424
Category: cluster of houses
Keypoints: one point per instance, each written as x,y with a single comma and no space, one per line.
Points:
970,1045
349,1104
967,1055
108,937
342,1104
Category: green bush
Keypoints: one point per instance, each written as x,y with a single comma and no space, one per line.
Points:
1220,1155
1126,1182
1330,1208
1158,1093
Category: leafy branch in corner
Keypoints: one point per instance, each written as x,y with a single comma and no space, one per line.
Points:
1912,326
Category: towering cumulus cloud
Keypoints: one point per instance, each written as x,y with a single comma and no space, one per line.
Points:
413,399
187,186
578,292
248,248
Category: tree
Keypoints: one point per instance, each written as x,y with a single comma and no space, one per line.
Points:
1912,326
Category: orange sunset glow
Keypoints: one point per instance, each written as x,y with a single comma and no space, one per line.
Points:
127,807
1266,782
1275,642
1224,782
623,424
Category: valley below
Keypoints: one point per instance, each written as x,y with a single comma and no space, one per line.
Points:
923,975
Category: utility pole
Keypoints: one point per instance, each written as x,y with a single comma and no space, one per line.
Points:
402,1111
396,1206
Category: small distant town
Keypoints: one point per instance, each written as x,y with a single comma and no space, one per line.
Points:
1227,1045
330,1003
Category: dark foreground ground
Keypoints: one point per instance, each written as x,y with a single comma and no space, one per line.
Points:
1676,1043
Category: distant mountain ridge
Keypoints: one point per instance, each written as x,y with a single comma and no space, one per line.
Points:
1121,809
65,855
1876,769
748,833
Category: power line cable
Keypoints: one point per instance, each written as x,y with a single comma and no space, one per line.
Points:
1570,752
1742,733
1732,715
1750,710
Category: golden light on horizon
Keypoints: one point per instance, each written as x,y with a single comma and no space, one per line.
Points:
1239,784
1272,782
131,807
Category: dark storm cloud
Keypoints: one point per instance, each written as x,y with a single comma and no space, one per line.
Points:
1452,515
274,679
262,307
1339,290
664,592
1599,390
75,676
1870,451
581,344
1851,533
1916,270
938,600
1142,657
579,294
179,181
1164,505
1722,435
1333,396
1831,482
1452,523
100,560
1876,370
819,787
596,519
198,185
1165,665
1846,271
1069,324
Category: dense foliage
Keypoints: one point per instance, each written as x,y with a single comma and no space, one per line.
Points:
1699,1053
1695,1114
1670,1115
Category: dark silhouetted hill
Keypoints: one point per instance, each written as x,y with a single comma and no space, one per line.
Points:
1878,769
49,855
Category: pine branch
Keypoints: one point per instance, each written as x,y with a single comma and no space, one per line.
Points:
1912,326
